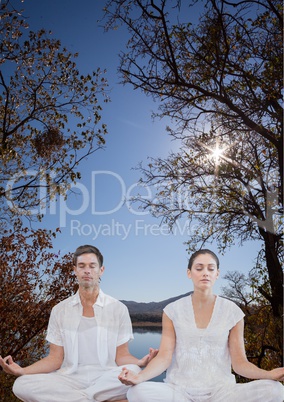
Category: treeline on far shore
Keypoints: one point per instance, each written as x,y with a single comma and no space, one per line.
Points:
146,319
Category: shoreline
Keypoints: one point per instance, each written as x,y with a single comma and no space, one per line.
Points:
147,324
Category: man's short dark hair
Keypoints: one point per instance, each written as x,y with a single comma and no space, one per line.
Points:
87,249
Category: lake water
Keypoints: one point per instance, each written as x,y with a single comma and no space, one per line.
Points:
143,340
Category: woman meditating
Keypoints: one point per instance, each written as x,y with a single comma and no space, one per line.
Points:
202,339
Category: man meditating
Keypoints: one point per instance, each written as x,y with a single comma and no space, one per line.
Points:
88,335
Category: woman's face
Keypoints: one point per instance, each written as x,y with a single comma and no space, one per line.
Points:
204,271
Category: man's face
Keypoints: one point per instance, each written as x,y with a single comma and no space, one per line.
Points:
88,270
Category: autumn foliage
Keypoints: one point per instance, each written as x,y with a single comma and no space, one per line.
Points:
263,330
32,279
41,90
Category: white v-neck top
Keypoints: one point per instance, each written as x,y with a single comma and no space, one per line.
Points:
201,361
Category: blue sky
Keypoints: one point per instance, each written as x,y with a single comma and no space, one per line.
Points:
143,262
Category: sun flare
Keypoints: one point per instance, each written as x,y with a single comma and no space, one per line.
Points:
217,153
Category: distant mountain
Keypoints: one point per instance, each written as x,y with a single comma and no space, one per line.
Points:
151,308
150,314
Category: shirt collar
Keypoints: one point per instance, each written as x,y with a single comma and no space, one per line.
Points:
99,302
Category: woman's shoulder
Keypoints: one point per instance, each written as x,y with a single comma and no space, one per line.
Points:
230,308
178,303
227,302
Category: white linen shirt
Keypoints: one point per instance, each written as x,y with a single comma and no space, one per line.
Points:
114,329
201,360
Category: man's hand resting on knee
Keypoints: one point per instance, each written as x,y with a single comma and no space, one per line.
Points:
10,367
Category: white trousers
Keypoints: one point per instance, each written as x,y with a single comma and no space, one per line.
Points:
254,391
89,383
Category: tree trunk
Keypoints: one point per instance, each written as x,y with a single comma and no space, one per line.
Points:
275,272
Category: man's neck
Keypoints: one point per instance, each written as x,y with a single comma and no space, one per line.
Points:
89,296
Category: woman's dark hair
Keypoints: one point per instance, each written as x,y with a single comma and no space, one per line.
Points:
87,249
202,251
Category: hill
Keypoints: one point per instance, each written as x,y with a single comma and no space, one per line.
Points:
149,314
